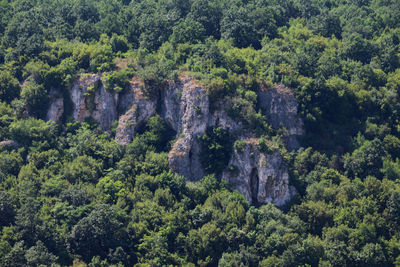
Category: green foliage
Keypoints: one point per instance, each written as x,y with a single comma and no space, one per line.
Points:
39,255
119,44
117,81
6,209
33,131
35,98
366,160
216,149
82,169
97,233
9,87
70,195
239,146
188,31
158,133
6,118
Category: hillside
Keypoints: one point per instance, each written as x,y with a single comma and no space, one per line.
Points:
199,133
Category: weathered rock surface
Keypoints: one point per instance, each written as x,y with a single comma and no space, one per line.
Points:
185,105
142,108
192,112
91,99
280,107
259,177
56,108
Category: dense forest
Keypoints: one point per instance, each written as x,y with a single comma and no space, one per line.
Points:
70,195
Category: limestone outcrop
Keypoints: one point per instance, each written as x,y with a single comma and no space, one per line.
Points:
56,107
141,109
260,178
8,144
185,106
91,100
189,118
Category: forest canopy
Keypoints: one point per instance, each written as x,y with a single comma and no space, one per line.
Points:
72,196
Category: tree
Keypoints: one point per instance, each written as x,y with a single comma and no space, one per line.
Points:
83,169
188,31
208,14
16,257
236,24
33,131
96,234
366,160
7,210
316,214
38,255
35,98
216,148
393,207
9,87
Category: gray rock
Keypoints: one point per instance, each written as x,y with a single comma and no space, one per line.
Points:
185,105
56,107
141,110
193,111
260,178
280,107
8,144
91,99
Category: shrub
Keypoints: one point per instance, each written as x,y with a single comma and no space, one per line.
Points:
35,98
9,87
216,148
117,80
239,146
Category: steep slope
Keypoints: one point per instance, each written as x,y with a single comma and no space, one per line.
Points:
185,106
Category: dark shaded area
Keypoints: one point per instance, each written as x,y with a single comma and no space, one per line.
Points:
253,183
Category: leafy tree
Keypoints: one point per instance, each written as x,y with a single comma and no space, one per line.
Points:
33,131
366,160
35,98
236,24
9,87
188,31
7,209
97,233
216,150
39,255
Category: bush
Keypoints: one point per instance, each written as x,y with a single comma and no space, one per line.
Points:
117,81
9,87
35,99
119,44
29,131
239,145
216,149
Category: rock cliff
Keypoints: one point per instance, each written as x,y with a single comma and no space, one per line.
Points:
185,105
56,107
259,177
91,99
140,109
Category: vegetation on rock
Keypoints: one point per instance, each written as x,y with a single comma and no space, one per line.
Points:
71,195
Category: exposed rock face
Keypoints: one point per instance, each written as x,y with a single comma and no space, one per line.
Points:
280,107
260,178
56,108
192,112
142,108
91,99
185,105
